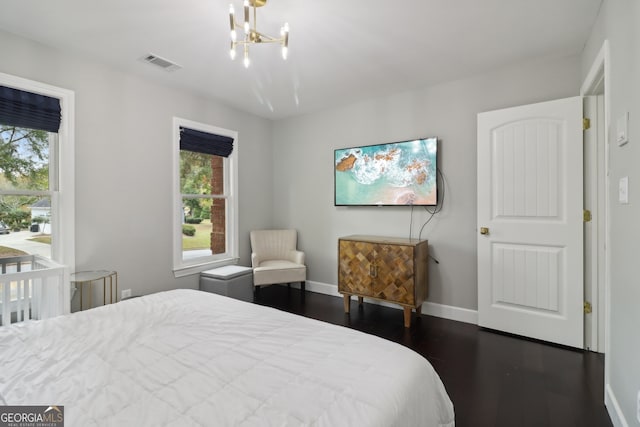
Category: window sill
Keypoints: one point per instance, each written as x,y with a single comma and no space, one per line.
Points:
189,270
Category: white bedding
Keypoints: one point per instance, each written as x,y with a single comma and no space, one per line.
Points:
187,357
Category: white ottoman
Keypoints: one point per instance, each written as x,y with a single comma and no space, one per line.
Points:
233,281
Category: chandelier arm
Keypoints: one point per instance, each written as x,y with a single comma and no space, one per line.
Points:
235,22
268,39
265,38
248,42
272,40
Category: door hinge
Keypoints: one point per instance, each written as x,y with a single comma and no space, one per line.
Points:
586,215
587,307
586,123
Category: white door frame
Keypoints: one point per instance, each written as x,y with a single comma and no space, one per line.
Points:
599,73
594,230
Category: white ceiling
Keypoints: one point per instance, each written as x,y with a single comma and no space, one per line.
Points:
340,51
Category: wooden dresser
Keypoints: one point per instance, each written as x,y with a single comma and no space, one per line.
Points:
383,268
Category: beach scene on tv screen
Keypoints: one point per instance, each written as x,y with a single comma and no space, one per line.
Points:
400,173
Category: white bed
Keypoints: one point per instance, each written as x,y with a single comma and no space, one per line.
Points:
187,357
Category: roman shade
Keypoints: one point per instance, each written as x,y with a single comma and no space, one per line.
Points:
204,142
29,110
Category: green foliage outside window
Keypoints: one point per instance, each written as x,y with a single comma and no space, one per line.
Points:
24,165
188,230
195,178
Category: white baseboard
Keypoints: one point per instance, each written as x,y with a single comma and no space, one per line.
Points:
323,288
430,308
615,412
450,312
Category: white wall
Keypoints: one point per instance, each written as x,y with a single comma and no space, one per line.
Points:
618,22
303,168
123,163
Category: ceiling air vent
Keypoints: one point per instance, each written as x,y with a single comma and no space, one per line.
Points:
165,64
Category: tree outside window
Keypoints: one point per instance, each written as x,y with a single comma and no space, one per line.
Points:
25,180
201,182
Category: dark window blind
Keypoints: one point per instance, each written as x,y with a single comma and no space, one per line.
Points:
29,110
204,142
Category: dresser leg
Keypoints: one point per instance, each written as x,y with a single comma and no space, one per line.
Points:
407,317
347,303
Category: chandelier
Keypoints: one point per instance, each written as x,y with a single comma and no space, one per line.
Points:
251,33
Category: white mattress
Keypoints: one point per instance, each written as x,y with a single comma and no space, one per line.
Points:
186,357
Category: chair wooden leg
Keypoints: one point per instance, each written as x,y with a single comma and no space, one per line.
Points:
302,286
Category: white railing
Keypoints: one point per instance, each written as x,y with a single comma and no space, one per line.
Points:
31,287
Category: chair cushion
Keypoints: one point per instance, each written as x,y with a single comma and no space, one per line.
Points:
278,271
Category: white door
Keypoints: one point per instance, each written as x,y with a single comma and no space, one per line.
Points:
530,255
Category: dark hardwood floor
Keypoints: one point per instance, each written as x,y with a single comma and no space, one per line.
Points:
493,379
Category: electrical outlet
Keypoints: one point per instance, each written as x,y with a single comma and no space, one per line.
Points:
126,293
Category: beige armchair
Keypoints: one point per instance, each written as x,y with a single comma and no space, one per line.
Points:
275,259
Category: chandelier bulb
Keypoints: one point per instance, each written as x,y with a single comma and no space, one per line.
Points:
246,60
234,36
246,16
232,52
232,22
285,41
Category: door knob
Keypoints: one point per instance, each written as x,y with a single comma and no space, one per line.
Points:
484,230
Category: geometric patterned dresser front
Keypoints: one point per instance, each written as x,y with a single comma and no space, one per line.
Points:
383,268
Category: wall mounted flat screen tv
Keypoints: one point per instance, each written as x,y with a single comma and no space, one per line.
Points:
397,173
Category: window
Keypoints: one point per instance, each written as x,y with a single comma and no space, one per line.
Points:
35,140
205,197
37,195
28,182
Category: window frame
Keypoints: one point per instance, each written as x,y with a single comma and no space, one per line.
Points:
63,191
182,267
